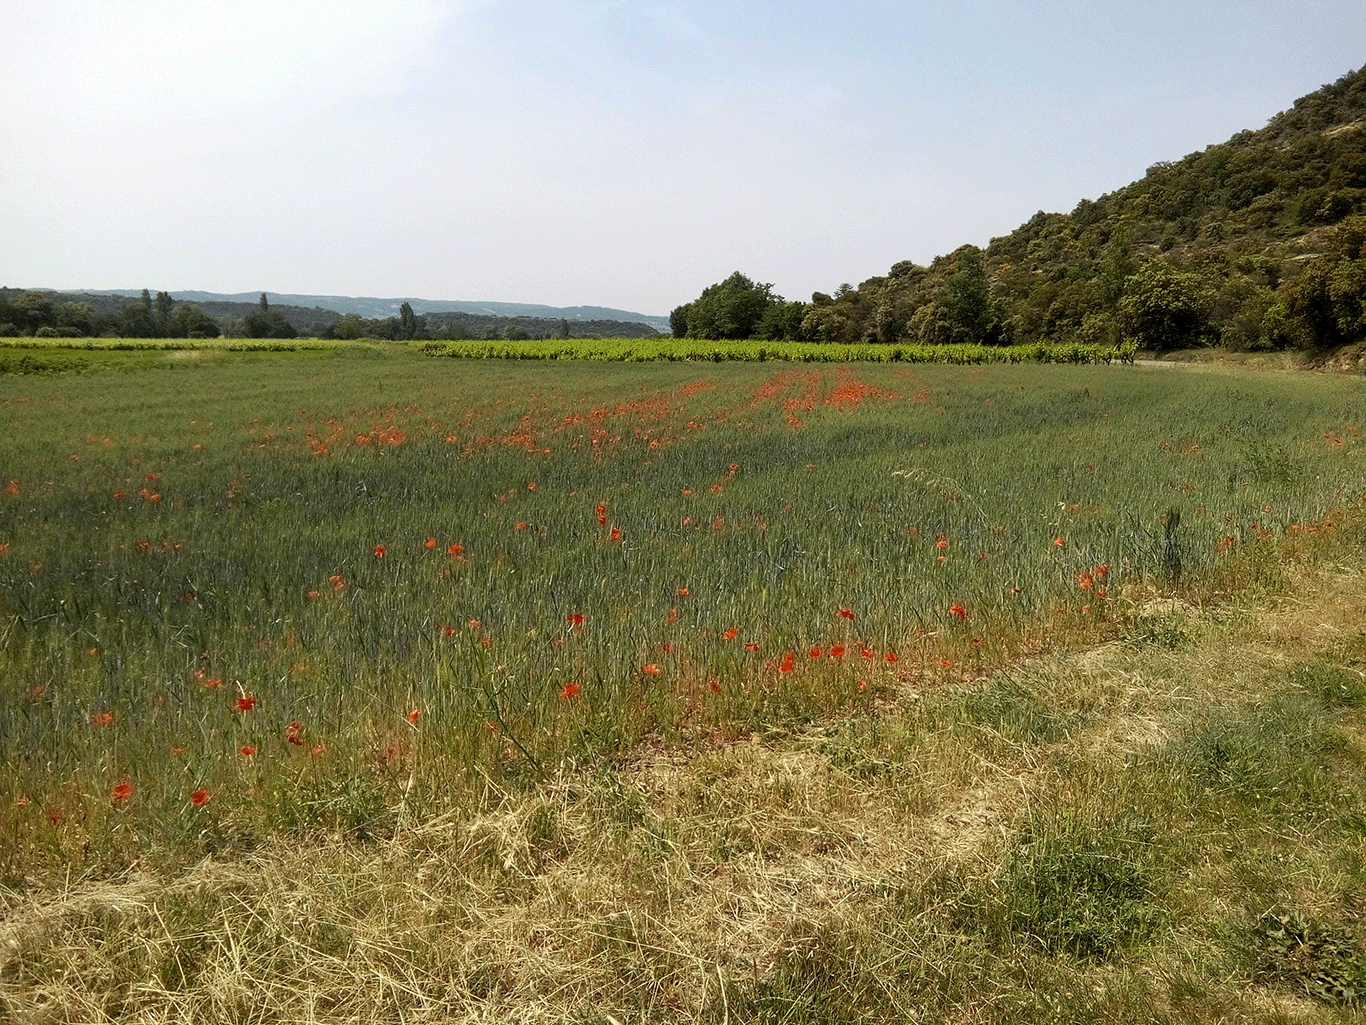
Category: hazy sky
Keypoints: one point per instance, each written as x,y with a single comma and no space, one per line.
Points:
594,152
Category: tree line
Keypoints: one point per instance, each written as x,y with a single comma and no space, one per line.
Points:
459,326
45,314
35,313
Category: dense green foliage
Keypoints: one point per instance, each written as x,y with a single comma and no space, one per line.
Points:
737,308
1252,244
35,314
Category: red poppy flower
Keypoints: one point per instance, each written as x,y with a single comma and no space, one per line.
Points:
1084,581
122,791
845,614
730,634
616,533
294,733
891,656
200,797
815,652
940,541
666,647
379,551
431,542
652,669
521,526
570,689
958,611
751,646
246,703
715,686
246,750
837,651
102,718
1060,542
576,619
414,715
682,592
454,549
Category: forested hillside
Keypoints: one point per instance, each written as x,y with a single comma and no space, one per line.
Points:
1255,243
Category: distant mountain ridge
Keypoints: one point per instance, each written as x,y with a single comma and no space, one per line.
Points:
376,307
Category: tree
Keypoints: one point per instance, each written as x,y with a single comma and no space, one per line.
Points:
1116,268
30,311
78,316
267,323
1162,307
189,321
1327,302
966,307
136,319
349,327
161,313
782,321
732,308
407,322
678,321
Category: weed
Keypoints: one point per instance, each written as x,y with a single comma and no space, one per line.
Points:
1160,631
1274,755
1089,889
1324,961
1335,686
1008,706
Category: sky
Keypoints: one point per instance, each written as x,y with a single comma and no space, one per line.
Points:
591,152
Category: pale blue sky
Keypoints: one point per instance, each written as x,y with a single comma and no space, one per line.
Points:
596,152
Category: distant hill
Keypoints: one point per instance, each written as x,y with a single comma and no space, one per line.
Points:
377,308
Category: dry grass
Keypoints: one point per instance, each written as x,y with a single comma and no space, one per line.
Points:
860,867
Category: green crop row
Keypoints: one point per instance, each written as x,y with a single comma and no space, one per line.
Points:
693,350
